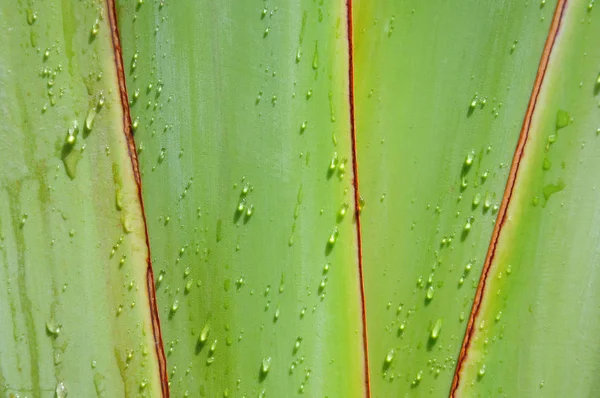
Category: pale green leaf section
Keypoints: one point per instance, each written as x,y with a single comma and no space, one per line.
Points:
74,318
441,91
537,332
240,108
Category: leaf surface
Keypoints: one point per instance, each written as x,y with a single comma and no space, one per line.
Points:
75,308
534,332
441,92
243,130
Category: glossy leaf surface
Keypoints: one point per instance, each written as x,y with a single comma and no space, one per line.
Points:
242,117
74,306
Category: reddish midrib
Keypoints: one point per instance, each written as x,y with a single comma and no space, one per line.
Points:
356,193
158,342
510,184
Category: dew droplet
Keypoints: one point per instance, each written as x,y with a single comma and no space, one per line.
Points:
89,119
303,127
430,293
333,237
53,328
417,378
402,327
473,102
95,28
204,333
334,162
297,344
31,16
265,366
390,357
476,200
61,390
343,210
469,160
437,328
562,119
481,371
315,62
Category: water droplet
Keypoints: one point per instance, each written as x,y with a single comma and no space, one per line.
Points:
390,357
61,390
430,293
303,127
361,203
468,267
241,205
343,211
334,162
333,237
213,347
297,344
89,119
469,160
342,167
546,165
481,371
95,28
563,118
473,103
265,366
402,327
315,62
322,285
417,378
476,200
437,328
31,16
468,225
204,333
487,202
53,328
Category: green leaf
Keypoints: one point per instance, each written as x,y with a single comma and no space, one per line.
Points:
535,333
465,258
244,140
441,92
74,306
